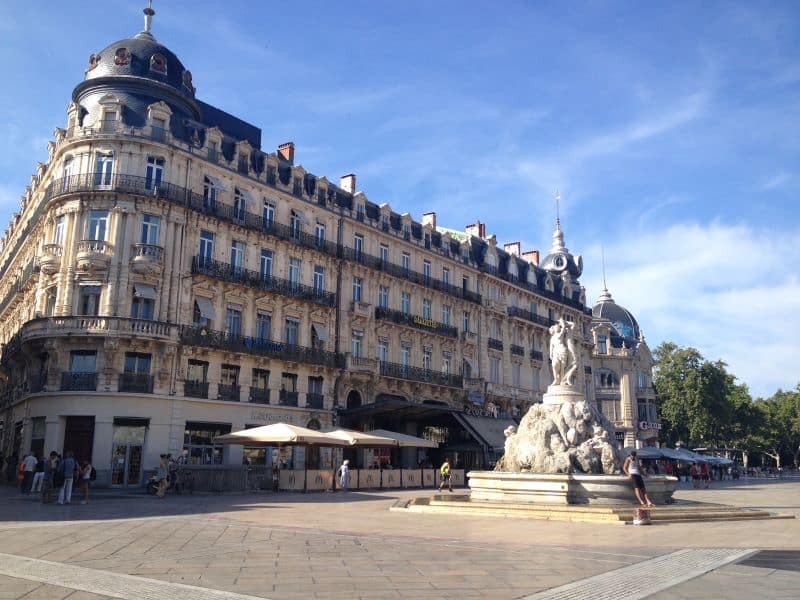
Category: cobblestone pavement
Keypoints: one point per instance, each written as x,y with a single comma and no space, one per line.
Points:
282,547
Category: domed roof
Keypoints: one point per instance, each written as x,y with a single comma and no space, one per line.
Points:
621,319
560,260
142,57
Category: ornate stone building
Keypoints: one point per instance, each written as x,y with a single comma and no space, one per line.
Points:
623,374
166,280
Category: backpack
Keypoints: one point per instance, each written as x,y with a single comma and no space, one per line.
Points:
93,474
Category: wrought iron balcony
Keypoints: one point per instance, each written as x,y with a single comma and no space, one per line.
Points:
287,398
253,279
219,340
399,371
141,383
259,395
229,392
315,400
78,382
521,313
416,321
195,389
517,350
495,344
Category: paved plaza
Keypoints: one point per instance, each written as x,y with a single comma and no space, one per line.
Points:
349,545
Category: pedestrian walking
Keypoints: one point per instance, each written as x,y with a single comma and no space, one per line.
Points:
633,471
705,474
28,471
444,471
85,477
344,475
162,476
38,476
50,469
68,468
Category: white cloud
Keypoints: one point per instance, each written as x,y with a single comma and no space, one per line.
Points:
730,291
777,181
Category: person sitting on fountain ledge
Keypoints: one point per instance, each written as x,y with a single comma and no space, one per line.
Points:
633,471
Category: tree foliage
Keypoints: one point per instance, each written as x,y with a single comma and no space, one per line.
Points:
701,404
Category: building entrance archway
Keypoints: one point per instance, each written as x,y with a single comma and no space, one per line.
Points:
353,399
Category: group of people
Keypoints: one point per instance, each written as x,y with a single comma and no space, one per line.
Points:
44,475
343,475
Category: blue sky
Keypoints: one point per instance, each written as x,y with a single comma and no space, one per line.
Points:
671,129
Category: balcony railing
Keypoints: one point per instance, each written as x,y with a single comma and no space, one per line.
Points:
95,325
495,344
253,279
37,383
195,389
228,391
315,400
141,383
521,313
361,364
219,340
259,395
78,382
287,398
148,251
94,247
517,350
376,262
416,321
399,371
537,355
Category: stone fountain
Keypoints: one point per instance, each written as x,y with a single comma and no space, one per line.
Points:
563,451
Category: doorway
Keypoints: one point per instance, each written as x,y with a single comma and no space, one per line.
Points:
79,437
127,451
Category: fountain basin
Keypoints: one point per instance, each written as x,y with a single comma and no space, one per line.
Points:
533,488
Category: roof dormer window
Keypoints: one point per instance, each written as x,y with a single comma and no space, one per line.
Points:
158,63
122,56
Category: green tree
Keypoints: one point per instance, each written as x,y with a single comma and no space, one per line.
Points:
781,426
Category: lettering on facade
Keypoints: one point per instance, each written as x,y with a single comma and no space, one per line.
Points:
646,426
426,322
268,416
479,412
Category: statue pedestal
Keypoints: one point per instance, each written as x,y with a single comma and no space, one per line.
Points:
559,394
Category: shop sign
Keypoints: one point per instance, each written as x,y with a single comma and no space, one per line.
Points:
647,426
479,412
268,416
425,322
476,398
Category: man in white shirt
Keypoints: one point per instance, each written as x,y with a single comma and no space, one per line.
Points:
29,463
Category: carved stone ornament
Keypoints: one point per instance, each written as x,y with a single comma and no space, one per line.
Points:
94,60
158,63
122,56
187,80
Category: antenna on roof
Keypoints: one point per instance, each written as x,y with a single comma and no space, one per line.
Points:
603,261
148,17
557,198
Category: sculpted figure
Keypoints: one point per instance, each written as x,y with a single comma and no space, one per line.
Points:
563,356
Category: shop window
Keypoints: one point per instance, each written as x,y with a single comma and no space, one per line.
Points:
198,442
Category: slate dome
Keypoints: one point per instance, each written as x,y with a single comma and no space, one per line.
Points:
621,319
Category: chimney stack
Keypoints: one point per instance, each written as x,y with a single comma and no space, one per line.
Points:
286,152
477,229
429,218
512,248
348,183
531,256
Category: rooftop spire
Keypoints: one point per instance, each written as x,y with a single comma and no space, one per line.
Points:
558,235
148,18
605,295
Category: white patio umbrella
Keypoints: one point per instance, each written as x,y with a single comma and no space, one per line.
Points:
404,440
280,434
361,438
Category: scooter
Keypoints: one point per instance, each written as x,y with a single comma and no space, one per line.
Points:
151,487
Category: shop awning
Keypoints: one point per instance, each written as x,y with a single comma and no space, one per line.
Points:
141,290
280,434
205,307
361,438
322,332
486,429
405,441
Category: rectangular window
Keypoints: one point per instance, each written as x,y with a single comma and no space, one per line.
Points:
138,363
158,128
58,230
83,361
198,442
405,356
357,344
237,255
50,302
233,321
426,308
294,273
426,271
601,344
105,170
153,173
202,317
383,352
359,212
89,300
229,375
357,285
465,284
319,234
445,276
142,308
383,296
641,380
642,409
260,379
266,264
292,332
319,278
551,314
466,321
405,303
494,370
269,214
98,225
535,380
447,361
358,246
426,359
406,263
384,255
206,246
239,205
197,370
289,382
446,315
109,122
263,326
209,194
151,229
294,225
515,374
